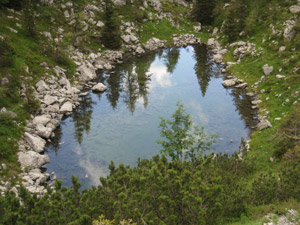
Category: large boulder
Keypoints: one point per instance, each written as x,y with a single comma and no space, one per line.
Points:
44,119
32,160
36,143
87,74
228,83
43,131
99,87
66,107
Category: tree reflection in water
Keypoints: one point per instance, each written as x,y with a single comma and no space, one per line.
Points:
82,117
205,68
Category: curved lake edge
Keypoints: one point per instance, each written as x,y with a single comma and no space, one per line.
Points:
42,160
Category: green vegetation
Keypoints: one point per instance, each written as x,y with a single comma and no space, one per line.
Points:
201,190
183,141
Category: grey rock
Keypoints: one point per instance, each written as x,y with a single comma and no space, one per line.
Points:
153,44
119,2
49,100
4,81
36,143
44,119
41,86
65,82
43,131
282,48
87,74
278,76
242,85
66,13
289,31
32,159
99,87
47,35
218,58
263,124
267,69
3,165
140,50
59,71
197,28
256,102
228,83
294,9
66,107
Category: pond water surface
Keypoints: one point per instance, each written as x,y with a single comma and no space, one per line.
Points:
121,124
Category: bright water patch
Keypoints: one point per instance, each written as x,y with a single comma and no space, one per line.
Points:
121,124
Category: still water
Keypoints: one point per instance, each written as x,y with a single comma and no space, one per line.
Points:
121,124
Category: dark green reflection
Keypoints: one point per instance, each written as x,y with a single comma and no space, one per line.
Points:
129,81
171,58
203,67
82,117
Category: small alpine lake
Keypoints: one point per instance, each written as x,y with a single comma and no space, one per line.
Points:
121,124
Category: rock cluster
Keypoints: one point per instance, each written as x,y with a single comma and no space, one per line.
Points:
217,50
234,82
185,39
290,218
243,49
154,44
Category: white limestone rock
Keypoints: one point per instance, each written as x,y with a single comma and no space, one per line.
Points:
44,119
66,107
228,83
36,143
295,9
99,87
41,86
242,85
32,160
87,74
49,100
43,131
263,124
289,31
267,69
256,102
100,24
140,50
218,58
